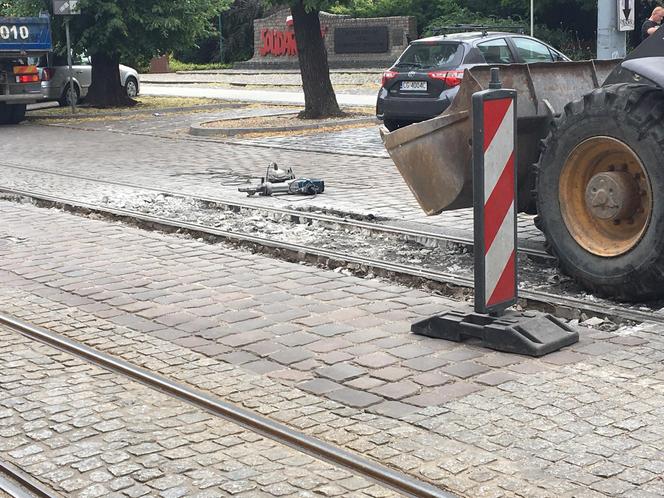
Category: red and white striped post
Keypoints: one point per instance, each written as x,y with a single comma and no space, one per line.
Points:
494,185
494,188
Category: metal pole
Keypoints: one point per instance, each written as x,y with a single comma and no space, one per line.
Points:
72,93
611,43
532,18
221,42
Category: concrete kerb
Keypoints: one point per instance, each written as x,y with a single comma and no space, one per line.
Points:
201,131
135,112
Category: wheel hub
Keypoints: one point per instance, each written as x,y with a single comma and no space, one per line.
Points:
605,196
612,195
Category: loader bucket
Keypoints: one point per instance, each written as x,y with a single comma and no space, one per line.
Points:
434,157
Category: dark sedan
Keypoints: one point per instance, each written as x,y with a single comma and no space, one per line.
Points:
423,81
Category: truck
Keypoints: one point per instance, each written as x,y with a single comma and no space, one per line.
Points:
590,163
21,39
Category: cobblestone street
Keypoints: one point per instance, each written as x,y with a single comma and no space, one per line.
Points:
89,433
324,352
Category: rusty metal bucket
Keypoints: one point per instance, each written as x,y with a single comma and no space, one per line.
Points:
434,156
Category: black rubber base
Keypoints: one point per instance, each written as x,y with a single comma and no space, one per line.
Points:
531,333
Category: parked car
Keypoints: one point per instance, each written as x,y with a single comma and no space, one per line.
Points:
54,74
425,78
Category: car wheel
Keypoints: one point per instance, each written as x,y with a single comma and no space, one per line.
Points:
131,87
395,124
65,99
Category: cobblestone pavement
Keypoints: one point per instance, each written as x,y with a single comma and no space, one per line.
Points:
86,432
357,141
332,355
143,152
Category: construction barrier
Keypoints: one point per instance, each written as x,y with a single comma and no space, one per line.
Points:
495,246
494,181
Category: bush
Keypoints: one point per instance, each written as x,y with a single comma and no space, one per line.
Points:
567,41
176,65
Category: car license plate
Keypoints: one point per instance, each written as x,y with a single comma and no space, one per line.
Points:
414,85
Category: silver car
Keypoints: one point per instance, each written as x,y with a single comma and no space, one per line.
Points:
54,73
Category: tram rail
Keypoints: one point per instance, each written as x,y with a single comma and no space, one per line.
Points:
447,282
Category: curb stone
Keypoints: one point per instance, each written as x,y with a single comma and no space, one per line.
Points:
134,112
201,131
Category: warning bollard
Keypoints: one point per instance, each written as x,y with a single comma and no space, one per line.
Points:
495,244
494,188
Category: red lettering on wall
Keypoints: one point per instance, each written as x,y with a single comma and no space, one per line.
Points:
280,43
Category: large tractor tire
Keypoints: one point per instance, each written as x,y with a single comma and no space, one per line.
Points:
600,191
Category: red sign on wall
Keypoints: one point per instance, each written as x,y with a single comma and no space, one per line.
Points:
280,43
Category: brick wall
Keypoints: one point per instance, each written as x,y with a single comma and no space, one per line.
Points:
400,30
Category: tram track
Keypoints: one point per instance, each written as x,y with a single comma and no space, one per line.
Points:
397,481
19,484
425,236
448,283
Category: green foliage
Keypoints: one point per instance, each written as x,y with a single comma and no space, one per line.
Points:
569,25
238,29
176,65
309,5
134,30
464,16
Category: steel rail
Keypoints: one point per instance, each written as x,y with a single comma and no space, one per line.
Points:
21,485
533,298
275,431
325,218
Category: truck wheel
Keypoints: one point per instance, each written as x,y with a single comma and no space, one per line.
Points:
18,113
11,114
597,182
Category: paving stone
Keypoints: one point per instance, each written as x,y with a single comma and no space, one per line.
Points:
465,369
393,409
213,349
375,360
236,487
331,329
319,386
328,345
263,348
340,372
353,397
443,394
262,366
397,390
391,374
494,378
410,351
563,358
499,360
335,357
291,355
238,357
364,383
459,354
431,379
425,364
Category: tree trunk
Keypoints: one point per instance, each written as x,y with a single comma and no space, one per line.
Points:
106,89
319,98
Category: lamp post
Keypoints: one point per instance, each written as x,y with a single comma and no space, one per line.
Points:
532,18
